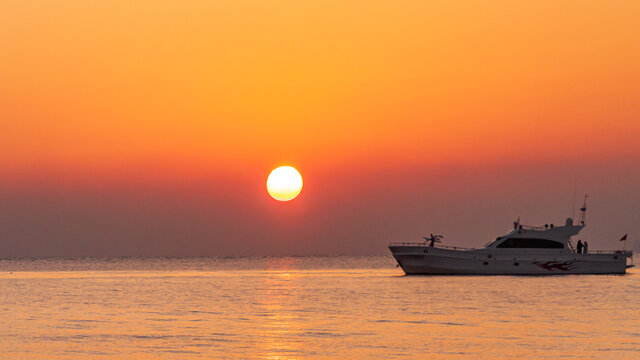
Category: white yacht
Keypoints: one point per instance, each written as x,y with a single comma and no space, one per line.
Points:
525,250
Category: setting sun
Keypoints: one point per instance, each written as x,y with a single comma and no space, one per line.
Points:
284,183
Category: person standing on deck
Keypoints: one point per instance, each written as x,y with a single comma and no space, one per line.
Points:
586,248
579,246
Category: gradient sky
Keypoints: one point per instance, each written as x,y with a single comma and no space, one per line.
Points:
149,127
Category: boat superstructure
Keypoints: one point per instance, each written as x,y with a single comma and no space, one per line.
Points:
525,250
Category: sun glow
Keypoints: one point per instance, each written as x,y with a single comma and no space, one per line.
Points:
284,183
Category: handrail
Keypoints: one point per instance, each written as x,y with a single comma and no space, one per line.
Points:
610,252
531,227
427,245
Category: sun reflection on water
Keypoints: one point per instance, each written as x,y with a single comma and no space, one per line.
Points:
278,292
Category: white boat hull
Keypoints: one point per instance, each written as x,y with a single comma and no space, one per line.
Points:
425,260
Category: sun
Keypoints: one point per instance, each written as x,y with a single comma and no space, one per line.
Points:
284,183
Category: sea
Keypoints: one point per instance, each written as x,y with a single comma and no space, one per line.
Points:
324,307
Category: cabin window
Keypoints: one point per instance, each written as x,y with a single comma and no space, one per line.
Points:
529,243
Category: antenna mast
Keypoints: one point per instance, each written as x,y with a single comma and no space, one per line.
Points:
573,203
583,211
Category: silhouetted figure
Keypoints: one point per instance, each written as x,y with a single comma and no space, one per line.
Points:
579,246
586,248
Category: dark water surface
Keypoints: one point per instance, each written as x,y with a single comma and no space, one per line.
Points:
306,307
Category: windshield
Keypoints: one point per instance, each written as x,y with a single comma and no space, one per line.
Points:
491,242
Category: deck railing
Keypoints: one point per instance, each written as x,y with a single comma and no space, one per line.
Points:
428,245
609,252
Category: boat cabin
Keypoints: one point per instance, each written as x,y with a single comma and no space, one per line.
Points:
541,237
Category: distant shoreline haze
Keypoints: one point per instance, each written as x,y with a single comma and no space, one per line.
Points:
339,212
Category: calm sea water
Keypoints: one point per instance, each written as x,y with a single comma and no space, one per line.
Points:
306,307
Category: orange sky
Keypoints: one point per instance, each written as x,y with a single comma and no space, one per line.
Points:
245,82
135,92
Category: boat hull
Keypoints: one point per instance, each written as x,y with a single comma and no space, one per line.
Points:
424,260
